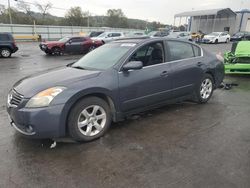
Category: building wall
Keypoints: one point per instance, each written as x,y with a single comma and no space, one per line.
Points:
211,24
245,26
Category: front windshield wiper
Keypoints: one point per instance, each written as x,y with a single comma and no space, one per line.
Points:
78,67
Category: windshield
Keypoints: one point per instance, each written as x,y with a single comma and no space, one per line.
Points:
104,57
239,34
65,39
214,34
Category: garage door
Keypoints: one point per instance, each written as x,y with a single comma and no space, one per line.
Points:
248,25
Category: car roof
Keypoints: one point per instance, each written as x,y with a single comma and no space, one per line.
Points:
141,40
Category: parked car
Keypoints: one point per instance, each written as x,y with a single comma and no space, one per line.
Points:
181,35
158,34
197,36
114,81
95,33
237,61
216,37
241,36
109,36
7,45
70,45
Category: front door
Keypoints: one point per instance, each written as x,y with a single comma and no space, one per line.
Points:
150,85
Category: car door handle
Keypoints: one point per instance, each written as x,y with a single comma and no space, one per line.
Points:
164,73
199,64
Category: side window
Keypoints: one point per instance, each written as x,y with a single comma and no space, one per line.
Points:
78,39
4,37
116,34
180,50
150,54
110,35
197,51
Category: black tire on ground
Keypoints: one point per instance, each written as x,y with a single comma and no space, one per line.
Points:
56,51
75,115
197,95
227,41
5,52
216,41
48,53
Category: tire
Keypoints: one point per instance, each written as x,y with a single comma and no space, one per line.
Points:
227,41
56,51
205,89
91,48
48,53
216,41
84,123
5,52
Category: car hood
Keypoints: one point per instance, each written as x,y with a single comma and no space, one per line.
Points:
52,42
243,49
31,85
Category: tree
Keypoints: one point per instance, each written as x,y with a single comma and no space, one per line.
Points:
76,17
116,18
2,9
26,8
44,9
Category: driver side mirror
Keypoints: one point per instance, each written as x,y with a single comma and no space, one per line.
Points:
133,65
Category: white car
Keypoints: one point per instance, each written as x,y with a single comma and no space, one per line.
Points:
109,36
216,37
184,35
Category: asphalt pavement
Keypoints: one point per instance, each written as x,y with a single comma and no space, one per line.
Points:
181,145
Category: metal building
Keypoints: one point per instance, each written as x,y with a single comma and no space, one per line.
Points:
215,20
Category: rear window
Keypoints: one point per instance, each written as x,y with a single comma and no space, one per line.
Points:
4,37
181,50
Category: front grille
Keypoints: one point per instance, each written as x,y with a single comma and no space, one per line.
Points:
14,98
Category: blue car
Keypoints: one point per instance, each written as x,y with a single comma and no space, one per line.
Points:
112,82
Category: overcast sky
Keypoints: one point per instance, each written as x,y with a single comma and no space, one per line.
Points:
151,10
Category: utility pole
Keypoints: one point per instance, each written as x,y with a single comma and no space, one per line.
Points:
9,12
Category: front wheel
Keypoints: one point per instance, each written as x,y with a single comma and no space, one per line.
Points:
227,41
91,48
57,51
89,119
205,89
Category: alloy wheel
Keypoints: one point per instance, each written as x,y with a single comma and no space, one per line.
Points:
92,120
206,88
5,53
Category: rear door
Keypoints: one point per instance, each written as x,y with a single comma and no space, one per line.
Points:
186,65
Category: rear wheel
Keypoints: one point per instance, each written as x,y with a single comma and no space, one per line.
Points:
205,89
5,52
216,41
89,119
227,41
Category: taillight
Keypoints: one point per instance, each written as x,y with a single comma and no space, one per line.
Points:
14,42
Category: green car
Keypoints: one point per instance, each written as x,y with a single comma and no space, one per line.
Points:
238,60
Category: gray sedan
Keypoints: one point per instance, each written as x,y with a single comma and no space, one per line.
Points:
111,83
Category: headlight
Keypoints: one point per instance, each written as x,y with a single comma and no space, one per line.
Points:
44,98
